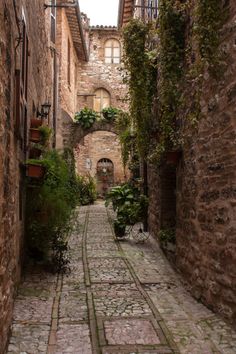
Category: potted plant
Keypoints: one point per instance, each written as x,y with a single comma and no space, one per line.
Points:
35,168
110,113
167,239
35,122
119,228
45,134
41,134
130,205
34,135
86,117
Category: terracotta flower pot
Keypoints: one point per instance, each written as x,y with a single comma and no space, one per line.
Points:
173,157
35,171
35,135
35,123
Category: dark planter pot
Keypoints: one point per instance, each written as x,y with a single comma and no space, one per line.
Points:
119,230
35,135
35,123
173,157
35,171
35,153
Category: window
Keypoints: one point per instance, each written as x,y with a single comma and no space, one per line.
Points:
68,62
101,100
112,51
53,21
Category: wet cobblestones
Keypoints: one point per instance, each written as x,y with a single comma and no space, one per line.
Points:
119,298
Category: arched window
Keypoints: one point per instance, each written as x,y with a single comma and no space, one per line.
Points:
112,51
101,100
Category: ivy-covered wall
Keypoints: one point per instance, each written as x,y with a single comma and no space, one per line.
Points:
204,117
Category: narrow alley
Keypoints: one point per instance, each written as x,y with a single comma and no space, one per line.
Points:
120,297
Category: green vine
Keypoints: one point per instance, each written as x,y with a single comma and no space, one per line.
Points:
141,79
209,20
170,67
123,126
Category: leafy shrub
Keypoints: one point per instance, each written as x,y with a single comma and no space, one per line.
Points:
110,113
130,205
86,190
86,118
48,209
167,235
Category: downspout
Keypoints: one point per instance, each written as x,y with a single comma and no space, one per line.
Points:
55,96
86,54
120,13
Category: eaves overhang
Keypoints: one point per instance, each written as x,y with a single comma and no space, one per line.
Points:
77,31
125,12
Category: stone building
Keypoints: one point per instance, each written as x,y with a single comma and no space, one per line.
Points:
39,55
99,85
72,49
198,196
26,83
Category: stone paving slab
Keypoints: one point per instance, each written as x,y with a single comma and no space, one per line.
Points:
119,298
29,338
73,307
130,331
74,339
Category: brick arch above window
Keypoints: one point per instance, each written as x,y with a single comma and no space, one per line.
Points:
102,99
112,51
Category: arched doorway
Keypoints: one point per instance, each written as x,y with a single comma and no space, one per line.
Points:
105,175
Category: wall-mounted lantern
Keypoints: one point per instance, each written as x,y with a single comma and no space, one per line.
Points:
45,109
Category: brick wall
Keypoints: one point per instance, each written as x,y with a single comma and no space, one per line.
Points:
206,190
12,153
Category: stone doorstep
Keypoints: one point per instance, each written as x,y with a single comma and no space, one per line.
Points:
159,336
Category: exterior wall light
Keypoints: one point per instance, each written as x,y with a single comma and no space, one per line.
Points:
45,109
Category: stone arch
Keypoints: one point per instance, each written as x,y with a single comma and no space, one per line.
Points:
75,133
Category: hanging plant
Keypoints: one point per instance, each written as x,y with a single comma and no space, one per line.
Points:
86,118
110,113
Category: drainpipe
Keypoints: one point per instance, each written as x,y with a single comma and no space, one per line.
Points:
55,96
145,190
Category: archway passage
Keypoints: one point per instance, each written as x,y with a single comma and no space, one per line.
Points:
105,175
99,151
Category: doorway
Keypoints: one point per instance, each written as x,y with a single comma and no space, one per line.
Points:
105,176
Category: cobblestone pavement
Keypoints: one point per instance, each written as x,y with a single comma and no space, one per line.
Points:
120,297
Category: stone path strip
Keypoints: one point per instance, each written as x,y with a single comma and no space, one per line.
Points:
120,297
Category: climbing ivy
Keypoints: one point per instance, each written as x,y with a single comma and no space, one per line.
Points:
141,80
209,20
171,24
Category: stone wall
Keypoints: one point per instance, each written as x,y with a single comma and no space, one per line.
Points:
97,74
94,147
67,86
93,75
206,190
13,150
